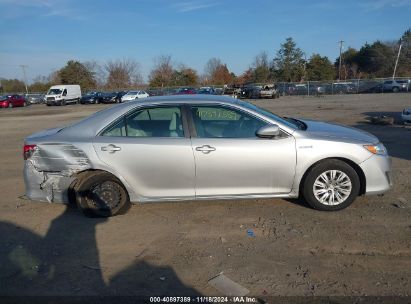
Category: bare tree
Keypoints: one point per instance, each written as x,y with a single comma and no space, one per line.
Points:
212,65
123,73
162,73
98,72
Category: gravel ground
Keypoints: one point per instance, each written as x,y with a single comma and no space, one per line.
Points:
175,248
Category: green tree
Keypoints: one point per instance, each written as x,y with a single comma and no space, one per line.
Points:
319,68
349,65
404,62
376,60
12,86
288,65
76,73
185,77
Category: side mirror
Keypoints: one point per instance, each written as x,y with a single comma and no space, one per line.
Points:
268,131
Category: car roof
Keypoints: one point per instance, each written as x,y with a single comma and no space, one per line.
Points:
184,99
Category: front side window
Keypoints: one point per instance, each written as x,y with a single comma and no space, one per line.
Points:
150,122
223,122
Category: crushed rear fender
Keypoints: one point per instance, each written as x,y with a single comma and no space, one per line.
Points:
49,171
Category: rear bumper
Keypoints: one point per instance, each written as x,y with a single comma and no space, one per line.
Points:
377,171
46,186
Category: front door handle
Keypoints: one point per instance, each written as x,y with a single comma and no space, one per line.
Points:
205,149
111,148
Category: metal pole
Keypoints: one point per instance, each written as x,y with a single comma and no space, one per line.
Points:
23,66
396,61
339,66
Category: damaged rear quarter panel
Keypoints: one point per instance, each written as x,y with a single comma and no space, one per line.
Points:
49,171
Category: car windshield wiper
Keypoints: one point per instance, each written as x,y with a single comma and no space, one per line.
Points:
300,124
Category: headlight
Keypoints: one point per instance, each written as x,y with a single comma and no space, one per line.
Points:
376,149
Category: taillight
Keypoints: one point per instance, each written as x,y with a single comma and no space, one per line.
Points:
28,151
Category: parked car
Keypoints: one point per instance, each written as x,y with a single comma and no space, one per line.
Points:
206,90
269,91
344,88
92,97
155,92
201,147
406,115
60,95
185,91
11,101
34,98
250,91
395,85
232,90
111,97
131,95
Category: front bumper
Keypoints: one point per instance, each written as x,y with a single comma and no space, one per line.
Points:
377,171
54,102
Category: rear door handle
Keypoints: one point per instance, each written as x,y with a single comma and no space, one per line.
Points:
111,148
205,149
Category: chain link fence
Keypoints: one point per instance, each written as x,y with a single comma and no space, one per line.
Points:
259,90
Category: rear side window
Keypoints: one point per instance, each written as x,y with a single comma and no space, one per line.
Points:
150,122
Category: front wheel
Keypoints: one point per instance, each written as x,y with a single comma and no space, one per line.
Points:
101,195
331,185
395,89
10,105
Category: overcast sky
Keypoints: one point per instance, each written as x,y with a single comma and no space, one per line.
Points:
44,34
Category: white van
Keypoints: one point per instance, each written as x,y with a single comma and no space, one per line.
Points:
60,95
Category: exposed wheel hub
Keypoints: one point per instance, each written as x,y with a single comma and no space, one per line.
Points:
106,195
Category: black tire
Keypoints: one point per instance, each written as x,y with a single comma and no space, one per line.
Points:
316,171
10,105
100,194
395,89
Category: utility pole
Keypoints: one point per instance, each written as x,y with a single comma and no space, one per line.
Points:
339,67
396,61
23,66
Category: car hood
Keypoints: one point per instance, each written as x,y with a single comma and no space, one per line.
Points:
331,130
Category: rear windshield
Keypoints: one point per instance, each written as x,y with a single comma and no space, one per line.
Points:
3,98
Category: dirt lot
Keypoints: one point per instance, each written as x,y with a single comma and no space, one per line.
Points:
175,248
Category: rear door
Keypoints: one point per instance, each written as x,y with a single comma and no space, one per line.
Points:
231,160
152,151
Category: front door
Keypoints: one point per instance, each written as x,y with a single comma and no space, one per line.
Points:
231,160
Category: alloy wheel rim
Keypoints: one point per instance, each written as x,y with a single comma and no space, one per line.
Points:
332,187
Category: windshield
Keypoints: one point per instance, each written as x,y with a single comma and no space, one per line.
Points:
291,124
132,93
54,92
3,98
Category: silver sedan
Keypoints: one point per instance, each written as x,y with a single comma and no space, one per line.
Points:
201,147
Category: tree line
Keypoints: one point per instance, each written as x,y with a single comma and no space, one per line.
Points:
290,64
